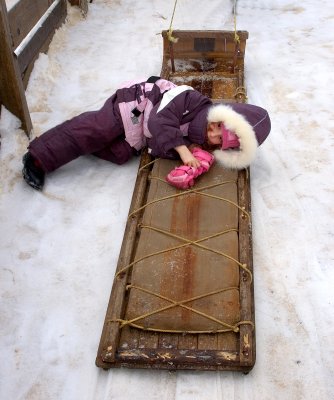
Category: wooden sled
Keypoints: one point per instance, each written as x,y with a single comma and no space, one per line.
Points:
182,296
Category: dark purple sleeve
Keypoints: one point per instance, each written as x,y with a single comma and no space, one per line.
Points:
164,125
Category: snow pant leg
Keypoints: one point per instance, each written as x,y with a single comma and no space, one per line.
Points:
118,152
85,134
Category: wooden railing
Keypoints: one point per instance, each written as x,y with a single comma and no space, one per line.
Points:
26,29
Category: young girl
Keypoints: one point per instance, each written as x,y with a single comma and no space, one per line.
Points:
170,120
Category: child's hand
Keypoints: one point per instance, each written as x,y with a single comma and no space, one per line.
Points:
187,157
191,162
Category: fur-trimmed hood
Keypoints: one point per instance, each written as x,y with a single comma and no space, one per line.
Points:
250,123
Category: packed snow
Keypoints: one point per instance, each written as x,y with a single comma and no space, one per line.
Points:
59,248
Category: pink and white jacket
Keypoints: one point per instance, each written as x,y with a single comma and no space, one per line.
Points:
135,106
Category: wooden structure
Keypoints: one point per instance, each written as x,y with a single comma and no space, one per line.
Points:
182,296
82,4
25,31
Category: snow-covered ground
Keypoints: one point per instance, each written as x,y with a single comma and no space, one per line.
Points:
59,248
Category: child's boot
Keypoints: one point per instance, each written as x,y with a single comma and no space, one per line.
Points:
32,172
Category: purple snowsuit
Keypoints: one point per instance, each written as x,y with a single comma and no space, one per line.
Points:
164,119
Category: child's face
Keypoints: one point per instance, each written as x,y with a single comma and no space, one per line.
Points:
214,133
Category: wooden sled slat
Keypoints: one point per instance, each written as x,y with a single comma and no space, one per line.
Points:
182,296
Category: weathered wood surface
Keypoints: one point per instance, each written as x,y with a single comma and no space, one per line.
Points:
32,29
182,296
11,87
179,270
25,31
23,16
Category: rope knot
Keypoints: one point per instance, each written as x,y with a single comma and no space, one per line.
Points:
171,38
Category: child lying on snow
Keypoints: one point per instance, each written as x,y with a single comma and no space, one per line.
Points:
173,121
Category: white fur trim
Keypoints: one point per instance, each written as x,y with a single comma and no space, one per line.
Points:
237,123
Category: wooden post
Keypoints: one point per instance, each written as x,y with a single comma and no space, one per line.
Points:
12,94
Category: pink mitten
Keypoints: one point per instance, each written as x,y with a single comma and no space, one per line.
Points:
205,158
182,177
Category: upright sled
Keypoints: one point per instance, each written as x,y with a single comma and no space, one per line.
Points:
182,296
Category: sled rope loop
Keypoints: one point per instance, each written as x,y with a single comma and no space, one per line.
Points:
187,241
188,191
224,326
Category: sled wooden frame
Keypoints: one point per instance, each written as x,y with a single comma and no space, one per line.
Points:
123,344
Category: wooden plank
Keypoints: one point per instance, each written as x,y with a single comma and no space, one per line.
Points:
207,341
42,36
183,273
148,340
247,331
187,341
12,94
129,338
223,42
228,341
179,359
224,46
23,16
168,341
